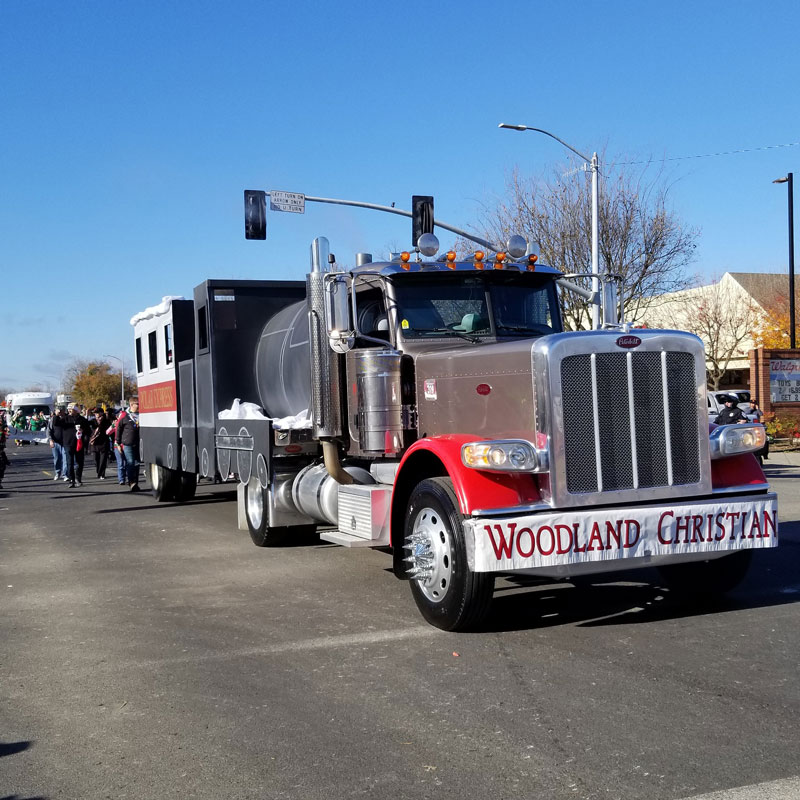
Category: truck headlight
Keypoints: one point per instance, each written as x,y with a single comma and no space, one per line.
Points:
731,440
511,455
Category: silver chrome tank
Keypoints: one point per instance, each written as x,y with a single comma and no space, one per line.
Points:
380,403
316,494
283,365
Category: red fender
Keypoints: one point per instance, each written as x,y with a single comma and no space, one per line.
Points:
742,470
474,488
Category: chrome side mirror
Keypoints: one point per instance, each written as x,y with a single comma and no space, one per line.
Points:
338,322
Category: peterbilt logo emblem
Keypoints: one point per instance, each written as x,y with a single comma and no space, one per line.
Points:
628,341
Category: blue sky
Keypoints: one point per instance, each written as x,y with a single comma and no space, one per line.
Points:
129,131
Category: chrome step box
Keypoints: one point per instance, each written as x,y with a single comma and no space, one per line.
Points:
364,515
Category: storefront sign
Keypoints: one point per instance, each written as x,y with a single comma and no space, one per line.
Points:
784,380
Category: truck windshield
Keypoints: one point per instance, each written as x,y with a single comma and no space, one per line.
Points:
469,306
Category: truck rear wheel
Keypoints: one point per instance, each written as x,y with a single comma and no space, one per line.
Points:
162,482
448,594
707,578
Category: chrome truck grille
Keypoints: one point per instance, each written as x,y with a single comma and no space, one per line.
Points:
623,423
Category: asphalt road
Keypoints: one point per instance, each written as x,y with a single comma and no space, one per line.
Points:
151,651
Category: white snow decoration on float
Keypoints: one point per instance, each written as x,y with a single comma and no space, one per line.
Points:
155,311
240,410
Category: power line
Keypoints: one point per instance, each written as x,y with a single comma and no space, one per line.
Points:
710,155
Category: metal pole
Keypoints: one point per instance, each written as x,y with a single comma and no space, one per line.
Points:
792,341
595,164
121,382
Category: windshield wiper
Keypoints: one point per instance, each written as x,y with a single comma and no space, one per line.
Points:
462,334
523,329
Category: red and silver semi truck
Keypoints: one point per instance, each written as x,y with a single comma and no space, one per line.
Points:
436,408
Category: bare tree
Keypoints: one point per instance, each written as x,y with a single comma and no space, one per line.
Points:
721,316
639,237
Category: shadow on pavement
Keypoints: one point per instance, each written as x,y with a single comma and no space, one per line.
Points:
10,748
639,596
199,500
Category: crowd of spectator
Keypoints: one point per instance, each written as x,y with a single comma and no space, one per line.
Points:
73,431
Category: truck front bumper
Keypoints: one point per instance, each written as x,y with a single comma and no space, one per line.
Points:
604,539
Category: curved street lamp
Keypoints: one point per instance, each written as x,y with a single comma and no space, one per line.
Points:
121,378
789,179
593,164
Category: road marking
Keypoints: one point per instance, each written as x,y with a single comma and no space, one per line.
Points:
784,789
319,643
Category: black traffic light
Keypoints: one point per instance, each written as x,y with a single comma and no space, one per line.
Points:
421,216
255,214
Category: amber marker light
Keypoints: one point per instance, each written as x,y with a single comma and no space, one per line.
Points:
451,259
532,259
479,256
404,259
498,260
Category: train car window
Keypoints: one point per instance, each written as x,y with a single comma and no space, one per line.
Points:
168,342
139,368
202,329
152,346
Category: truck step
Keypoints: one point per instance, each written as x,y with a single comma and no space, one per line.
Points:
348,540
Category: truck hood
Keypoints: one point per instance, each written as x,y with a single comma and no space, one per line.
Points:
485,391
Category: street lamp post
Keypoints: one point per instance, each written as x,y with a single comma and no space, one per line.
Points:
594,165
790,180
121,378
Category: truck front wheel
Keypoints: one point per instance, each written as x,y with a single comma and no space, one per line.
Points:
707,578
448,594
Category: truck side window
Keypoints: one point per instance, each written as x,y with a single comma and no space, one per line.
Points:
152,346
168,342
372,317
202,329
139,368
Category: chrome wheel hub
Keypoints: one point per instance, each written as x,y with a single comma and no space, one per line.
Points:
255,504
430,555
154,476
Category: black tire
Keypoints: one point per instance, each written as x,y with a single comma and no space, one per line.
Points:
256,512
450,596
185,486
707,578
162,482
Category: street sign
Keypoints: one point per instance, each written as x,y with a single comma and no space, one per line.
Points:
287,201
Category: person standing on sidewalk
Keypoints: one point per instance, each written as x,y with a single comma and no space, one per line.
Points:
128,438
55,434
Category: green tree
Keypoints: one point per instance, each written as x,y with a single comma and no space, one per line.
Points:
90,381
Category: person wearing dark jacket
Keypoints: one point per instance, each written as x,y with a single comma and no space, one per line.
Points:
55,433
75,437
98,442
127,437
731,414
